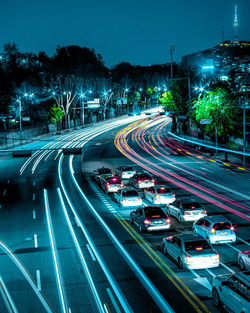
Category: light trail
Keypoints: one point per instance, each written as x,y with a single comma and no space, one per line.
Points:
11,307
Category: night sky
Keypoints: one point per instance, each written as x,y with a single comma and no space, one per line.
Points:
135,31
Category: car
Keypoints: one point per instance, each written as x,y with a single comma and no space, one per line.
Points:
232,292
125,172
244,260
215,229
150,218
186,210
141,180
159,194
127,197
102,173
190,251
111,184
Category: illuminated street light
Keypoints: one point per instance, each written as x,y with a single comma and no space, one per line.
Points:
201,89
126,90
90,91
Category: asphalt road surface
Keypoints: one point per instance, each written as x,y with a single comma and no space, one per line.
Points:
66,246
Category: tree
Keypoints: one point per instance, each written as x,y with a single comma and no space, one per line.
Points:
219,106
56,114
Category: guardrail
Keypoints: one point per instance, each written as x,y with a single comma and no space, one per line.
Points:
198,143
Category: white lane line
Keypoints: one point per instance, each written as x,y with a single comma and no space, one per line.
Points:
34,214
228,244
8,182
29,279
61,291
38,280
4,193
205,169
209,272
105,308
113,300
34,183
78,248
91,252
34,196
247,243
226,267
35,241
7,297
148,285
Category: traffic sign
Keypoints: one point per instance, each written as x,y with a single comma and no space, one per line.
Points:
205,121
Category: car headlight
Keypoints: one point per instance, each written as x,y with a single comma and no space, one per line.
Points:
188,259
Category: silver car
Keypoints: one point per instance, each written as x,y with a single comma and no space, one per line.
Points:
190,251
159,195
215,229
127,197
244,260
125,172
186,210
232,292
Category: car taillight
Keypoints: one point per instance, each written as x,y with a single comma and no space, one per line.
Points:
189,259
187,213
122,185
153,180
157,196
124,200
99,176
173,194
216,257
232,228
147,222
212,230
139,181
167,220
204,212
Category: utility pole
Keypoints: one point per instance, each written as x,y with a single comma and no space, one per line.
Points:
171,50
20,119
244,133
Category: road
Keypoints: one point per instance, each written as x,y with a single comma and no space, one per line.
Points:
66,246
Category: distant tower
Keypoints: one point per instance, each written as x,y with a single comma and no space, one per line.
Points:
222,33
236,22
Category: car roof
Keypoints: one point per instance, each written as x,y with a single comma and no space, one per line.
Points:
244,276
188,200
217,219
161,186
128,189
190,237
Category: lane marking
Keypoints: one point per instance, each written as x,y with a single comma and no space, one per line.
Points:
35,241
7,297
34,196
247,243
113,300
38,280
211,273
91,252
8,182
205,169
228,244
34,214
228,268
4,193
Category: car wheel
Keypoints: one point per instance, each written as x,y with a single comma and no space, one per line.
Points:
164,249
179,218
140,228
131,219
241,264
215,297
180,263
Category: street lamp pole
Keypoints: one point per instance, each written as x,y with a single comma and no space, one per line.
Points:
20,118
244,133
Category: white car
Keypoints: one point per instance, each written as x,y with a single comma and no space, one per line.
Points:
159,195
232,292
215,229
244,260
186,210
125,172
190,251
111,184
128,197
141,180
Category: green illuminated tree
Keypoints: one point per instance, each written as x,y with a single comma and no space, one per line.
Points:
220,107
56,114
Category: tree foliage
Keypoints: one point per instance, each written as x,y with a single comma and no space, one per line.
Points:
56,114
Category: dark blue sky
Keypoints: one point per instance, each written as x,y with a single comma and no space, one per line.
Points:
136,31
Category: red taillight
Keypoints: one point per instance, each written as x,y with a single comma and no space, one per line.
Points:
167,220
173,194
204,212
212,230
232,228
147,222
187,213
198,248
139,181
99,176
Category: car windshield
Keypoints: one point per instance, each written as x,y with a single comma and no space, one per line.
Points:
197,245
104,171
128,169
222,226
130,193
153,212
163,190
191,205
144,176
